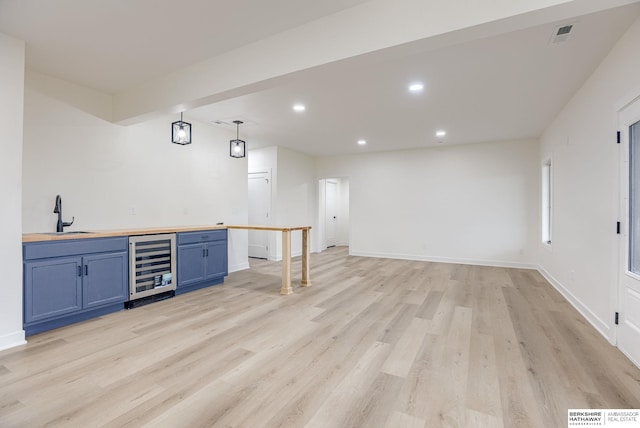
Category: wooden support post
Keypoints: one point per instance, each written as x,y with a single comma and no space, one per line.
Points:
306,280
286,263
286,253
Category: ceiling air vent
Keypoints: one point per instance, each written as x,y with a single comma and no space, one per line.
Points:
561,33
221,122
230,122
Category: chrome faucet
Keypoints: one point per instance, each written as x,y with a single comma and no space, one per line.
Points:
58,210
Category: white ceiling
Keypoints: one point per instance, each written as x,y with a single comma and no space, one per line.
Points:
114,44
506,87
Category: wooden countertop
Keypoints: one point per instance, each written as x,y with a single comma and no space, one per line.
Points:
36,237
274,228
39,237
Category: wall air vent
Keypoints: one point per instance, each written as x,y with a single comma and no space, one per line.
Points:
561,33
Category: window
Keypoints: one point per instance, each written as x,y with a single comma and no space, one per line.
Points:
546,202
634,198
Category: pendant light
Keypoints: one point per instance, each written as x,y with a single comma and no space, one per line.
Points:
237,146
181,132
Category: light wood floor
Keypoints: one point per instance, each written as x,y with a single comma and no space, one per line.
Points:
373,343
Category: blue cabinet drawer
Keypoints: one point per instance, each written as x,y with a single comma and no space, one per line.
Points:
201,236
73,247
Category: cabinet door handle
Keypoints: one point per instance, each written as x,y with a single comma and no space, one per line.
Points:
207,251
79,270
86,270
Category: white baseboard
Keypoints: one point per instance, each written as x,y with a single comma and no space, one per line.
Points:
597,323
239,267
477,262
12,339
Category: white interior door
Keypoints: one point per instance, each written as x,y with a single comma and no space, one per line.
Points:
331,210
259,208
628,332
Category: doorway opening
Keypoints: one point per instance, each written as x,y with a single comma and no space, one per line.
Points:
333,213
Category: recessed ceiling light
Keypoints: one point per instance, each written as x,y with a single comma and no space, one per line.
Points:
299,108
416,87
362,142
441,133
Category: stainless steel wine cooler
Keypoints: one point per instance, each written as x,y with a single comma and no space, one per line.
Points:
152,266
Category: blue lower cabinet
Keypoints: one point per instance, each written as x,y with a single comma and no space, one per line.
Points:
105,279
77,279
53,288
191,264
216,260
202,259
90,280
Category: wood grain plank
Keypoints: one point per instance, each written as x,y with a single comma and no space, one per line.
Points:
404,352
351,388
398,419
483,388
375,342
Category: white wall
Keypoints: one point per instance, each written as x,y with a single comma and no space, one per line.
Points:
263,160
343,211
294,195
297,196
470,204
583,261
11,106
89,100
113,177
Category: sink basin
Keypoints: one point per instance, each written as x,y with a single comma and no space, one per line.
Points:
74,232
